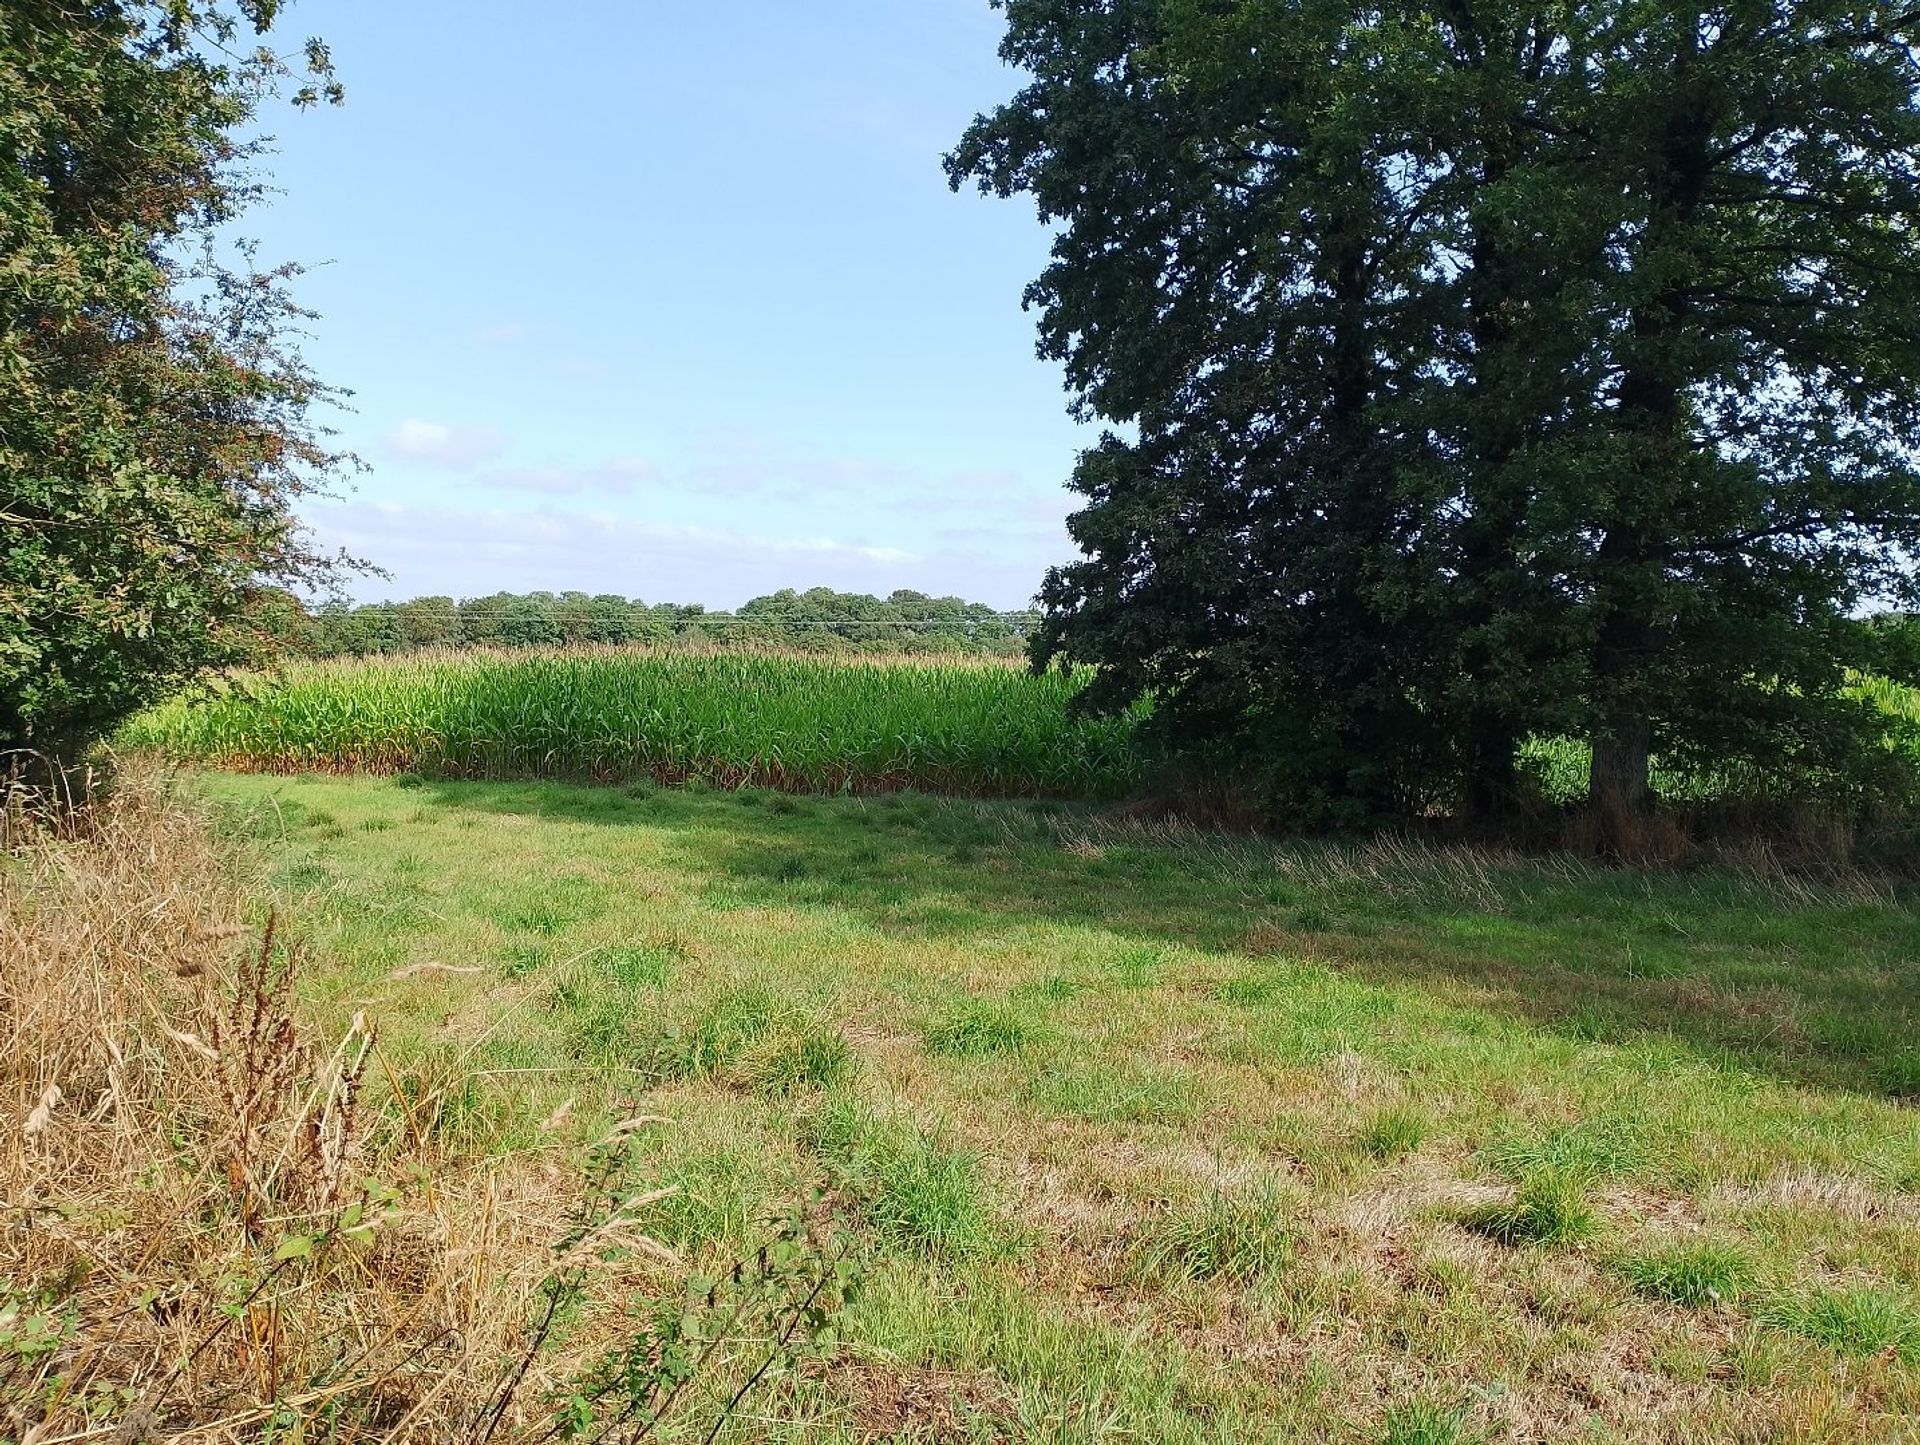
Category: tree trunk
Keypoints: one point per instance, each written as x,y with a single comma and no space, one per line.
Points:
1654,416
1617,791
1491,790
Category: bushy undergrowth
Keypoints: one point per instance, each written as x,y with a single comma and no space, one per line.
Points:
800,723
213,1221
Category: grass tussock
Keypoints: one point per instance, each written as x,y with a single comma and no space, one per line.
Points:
1696,1275
752,1039
1428,1424
1550,1207
979,1027
916,1190
1858,1319
1393,1132
217,1220
1240,1235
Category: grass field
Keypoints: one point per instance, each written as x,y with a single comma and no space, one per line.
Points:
974,727
1155,1136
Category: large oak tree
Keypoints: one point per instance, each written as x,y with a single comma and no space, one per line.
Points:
1475,370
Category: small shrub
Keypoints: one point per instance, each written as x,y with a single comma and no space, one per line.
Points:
1549,1208
1240,1236
1393,1132
1857,1320
1696,1275
978,1027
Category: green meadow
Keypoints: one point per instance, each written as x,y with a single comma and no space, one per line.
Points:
1149,1134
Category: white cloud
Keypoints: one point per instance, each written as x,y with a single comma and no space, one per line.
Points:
468,553
617,476
452,448
740,470
503,333
746,466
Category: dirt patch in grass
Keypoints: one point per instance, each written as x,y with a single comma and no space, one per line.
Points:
1836,1195
896,1403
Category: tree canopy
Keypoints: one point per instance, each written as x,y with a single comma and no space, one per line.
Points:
818,619
155,419
1478,370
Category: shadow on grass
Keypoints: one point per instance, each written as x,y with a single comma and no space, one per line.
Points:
1815,990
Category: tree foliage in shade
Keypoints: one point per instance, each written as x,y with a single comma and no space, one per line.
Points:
1477,370
155,419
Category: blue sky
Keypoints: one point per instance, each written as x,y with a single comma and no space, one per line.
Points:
671,300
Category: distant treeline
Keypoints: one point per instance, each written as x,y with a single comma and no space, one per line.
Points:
817,620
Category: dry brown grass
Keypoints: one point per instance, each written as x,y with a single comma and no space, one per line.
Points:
215,1225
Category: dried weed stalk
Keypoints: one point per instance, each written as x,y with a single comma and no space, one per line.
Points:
210,1228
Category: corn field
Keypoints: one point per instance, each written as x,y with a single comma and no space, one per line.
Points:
610,715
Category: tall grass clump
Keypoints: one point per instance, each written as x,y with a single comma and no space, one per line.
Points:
218,1221
1233,1235
1695,1275
805,724
917,1191
1550,1207
1855,1319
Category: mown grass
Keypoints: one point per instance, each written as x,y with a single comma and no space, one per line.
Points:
801,723
1154,1135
